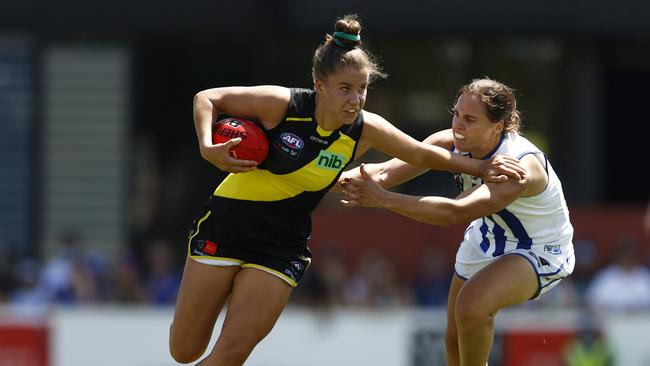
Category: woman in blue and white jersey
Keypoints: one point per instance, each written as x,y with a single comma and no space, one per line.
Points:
519,242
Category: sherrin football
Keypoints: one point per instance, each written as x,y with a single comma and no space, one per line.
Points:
253,146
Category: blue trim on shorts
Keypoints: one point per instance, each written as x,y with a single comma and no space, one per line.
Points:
539,281
459,276
552,282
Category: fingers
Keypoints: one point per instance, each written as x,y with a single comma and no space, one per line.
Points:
497,179
509,166
511,172
232,142
233,165
364,174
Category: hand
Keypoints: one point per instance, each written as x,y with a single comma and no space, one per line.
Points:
498,168
219,156
361,190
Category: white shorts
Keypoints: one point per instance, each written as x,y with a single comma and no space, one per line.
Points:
550,267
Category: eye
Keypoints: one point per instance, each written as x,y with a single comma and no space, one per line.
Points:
345,88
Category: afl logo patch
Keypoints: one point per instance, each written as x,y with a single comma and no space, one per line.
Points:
289,144
292,140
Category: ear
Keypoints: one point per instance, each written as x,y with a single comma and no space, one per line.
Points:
318,85
500,127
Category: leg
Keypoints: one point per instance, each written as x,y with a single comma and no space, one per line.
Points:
203,293
508,281
451,335
256,302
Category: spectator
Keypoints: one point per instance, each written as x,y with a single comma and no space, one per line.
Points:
623,285
589,348
375,283
126,282
163,279
431,286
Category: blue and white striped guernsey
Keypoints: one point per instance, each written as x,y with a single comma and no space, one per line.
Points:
538,223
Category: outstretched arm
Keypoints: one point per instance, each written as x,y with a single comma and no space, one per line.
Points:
395,171
482,201
383,136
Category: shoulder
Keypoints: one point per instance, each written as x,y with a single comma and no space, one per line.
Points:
373,118
374,124
273,93
444,139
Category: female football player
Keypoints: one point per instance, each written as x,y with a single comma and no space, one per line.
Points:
249,242
519,242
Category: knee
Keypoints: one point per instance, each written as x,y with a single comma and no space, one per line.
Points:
469,313
451,339
183,350
182,354
235,350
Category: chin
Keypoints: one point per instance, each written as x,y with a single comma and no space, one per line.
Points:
348,120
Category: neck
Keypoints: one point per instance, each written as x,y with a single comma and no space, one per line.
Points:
321,117
482,152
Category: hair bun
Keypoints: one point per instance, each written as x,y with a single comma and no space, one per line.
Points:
347,32
346,40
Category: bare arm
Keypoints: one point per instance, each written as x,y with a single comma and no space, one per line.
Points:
482,201
266,103
383,136
393,172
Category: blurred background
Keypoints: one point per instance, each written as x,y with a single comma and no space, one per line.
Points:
100,175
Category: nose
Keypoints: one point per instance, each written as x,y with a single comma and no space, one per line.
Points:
455,122
355,99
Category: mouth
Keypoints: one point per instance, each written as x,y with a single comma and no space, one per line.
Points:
458,136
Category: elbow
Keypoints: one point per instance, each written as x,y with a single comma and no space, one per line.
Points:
199,97
453,216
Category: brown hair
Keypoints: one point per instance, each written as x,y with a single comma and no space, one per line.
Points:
338,52
499,99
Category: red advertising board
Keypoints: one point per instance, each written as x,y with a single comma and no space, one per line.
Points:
23,345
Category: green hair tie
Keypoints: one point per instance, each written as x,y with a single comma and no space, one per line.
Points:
341,44
348,36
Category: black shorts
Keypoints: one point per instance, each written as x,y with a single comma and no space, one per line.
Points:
204,245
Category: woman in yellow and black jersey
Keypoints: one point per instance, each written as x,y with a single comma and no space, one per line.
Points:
262,218
249,243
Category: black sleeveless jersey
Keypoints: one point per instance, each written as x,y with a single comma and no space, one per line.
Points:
270,208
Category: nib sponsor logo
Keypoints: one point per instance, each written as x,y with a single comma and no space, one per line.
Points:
330,161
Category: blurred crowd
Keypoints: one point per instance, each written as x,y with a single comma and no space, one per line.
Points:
75,274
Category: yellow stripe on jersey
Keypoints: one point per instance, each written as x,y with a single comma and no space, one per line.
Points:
323,132
262,185
299,119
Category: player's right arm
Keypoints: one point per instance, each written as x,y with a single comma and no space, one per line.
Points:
266,104
395,171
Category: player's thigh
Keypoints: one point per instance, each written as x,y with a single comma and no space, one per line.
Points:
456,284
508,281
203,292
257,301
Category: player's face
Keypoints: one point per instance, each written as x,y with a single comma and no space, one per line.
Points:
343,94
473,130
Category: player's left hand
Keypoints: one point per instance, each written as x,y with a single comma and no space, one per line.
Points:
499,168
362,191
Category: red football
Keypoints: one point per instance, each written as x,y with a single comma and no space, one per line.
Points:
253,146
